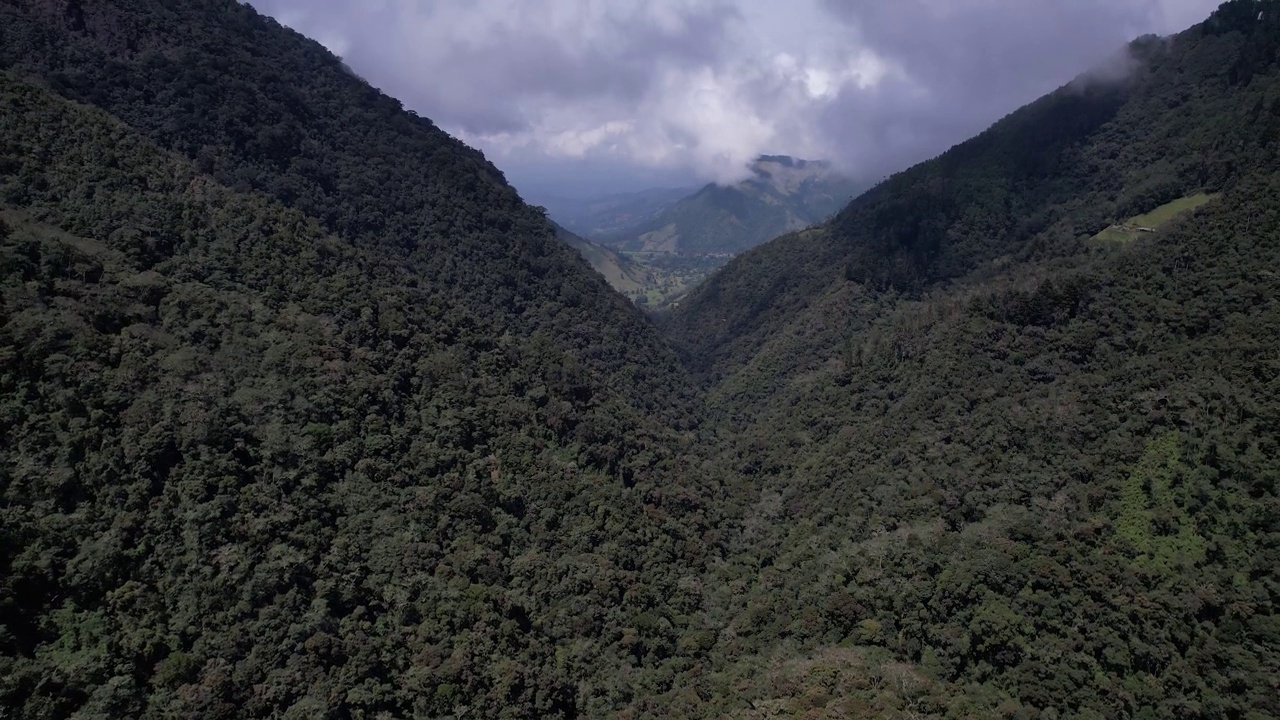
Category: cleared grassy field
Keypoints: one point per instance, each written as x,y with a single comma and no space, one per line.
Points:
1139,224
1169,211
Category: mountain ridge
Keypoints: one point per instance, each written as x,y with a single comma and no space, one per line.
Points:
781,194
623,275
307,414
954,380
297,386
901,235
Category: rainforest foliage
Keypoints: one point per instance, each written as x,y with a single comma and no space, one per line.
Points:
305,414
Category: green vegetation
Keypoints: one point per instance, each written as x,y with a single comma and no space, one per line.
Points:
672,275
783,194
228,424
653,280
1153,515
1039,473
627,277
667,248
1163,214
1152,221
306,414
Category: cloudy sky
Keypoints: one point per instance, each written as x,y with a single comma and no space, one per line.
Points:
572,97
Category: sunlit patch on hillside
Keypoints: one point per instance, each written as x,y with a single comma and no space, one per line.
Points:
1150,222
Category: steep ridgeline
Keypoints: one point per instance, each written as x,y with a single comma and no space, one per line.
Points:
1195,114
304,413
783,194
261,109
1032,461
624,275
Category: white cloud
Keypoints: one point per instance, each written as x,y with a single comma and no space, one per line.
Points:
708,85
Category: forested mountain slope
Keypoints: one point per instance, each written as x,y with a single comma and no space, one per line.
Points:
1195,112
1037,468
249,468
260,108
1052,490
305,414
625,276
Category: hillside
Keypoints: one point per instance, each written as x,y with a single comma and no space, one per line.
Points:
782,194
1195,115
1037,469
623,274
305,414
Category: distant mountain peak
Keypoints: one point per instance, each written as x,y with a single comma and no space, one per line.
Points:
788,161
787,175
782,194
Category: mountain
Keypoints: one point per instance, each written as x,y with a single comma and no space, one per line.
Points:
782,194
305,414
651,281
623,275
608,214
996,432
1036,186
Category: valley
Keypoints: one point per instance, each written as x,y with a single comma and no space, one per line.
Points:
673,276
674,241
306,413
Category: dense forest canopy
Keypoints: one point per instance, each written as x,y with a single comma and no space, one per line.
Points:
306,414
